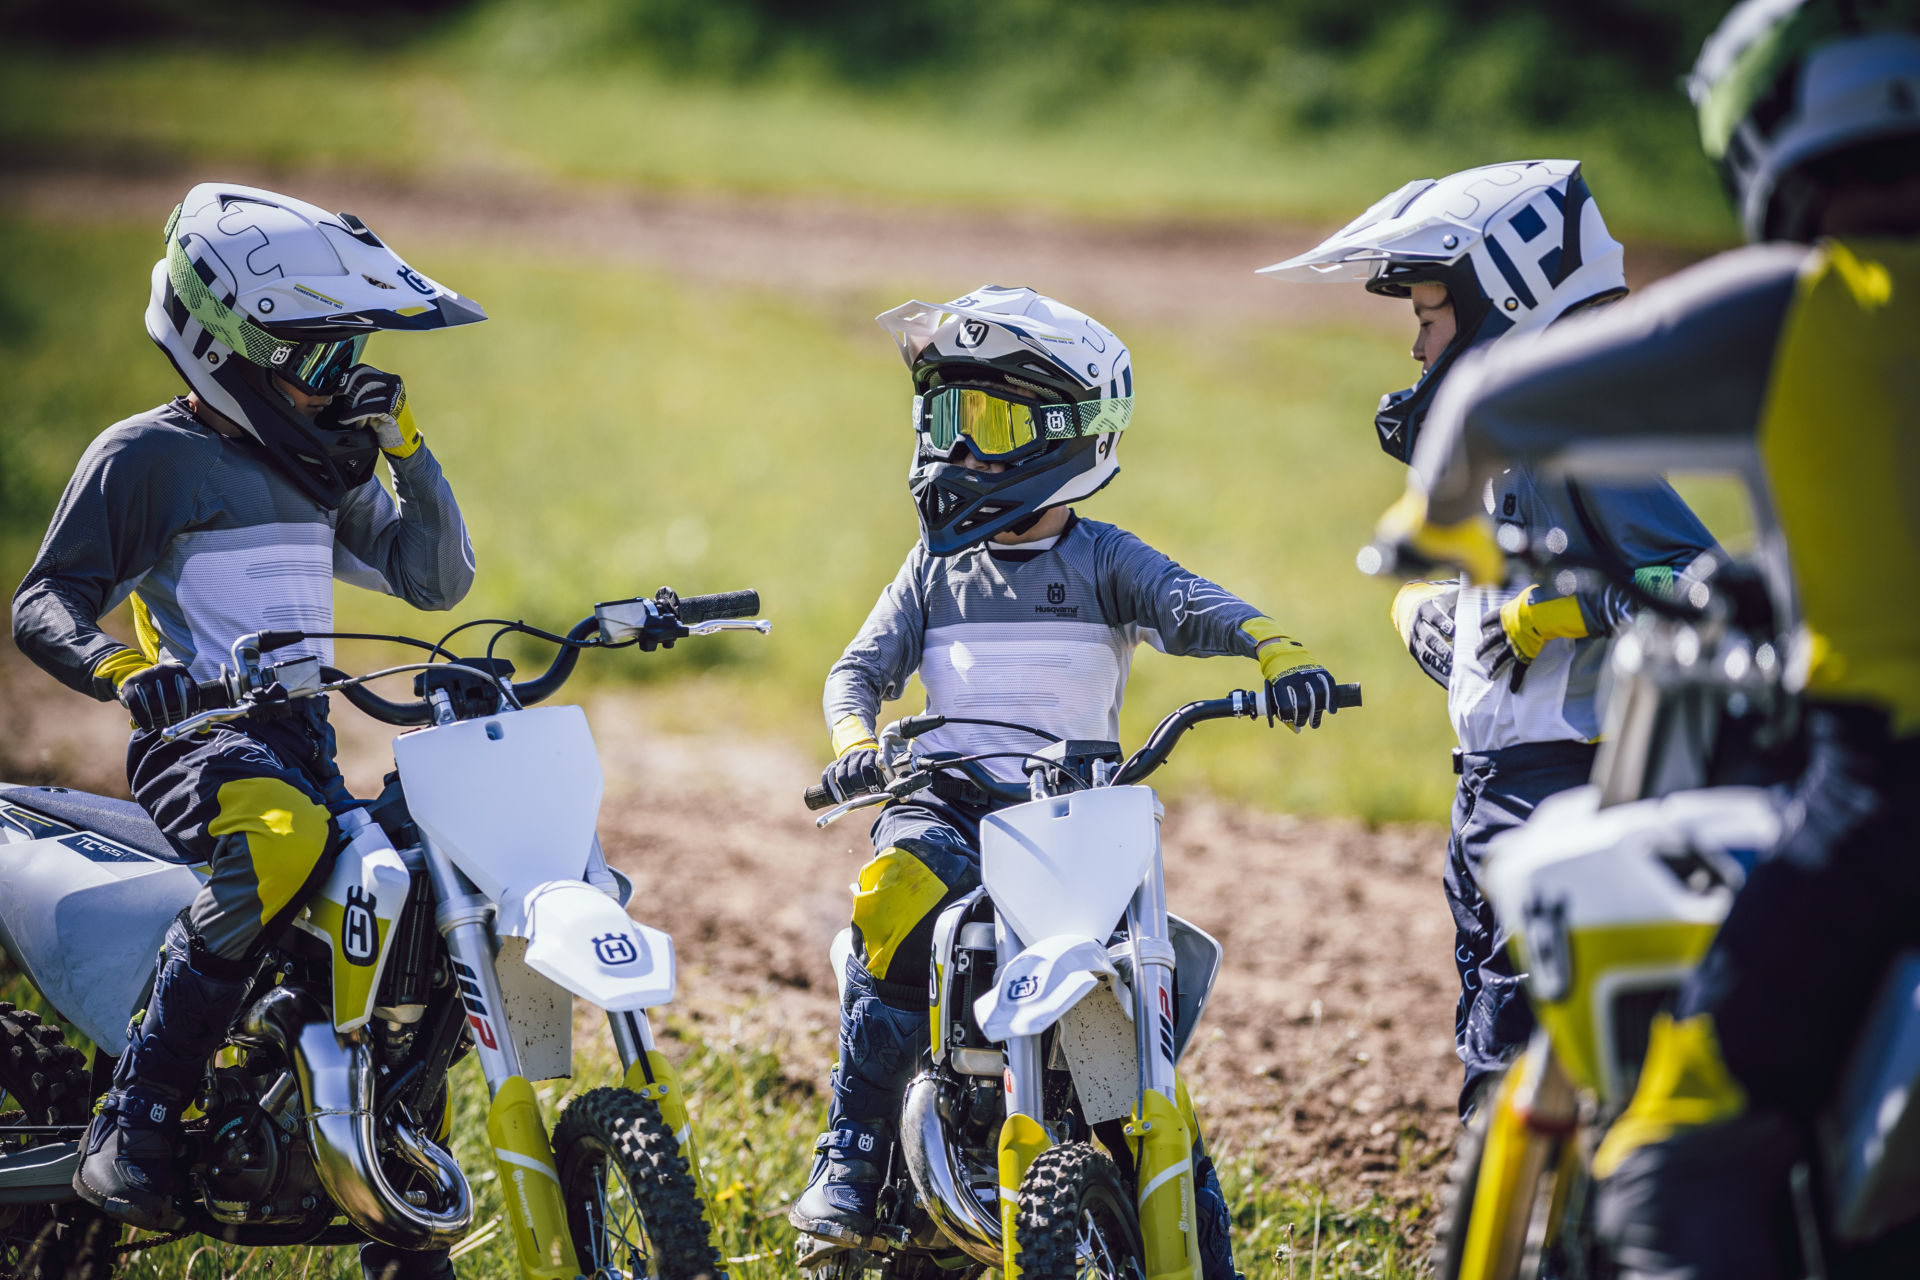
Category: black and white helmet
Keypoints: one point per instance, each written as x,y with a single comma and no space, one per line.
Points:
1011,376
1795,95
1516,245
255,284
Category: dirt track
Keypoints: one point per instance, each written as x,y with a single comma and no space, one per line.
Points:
1327,1052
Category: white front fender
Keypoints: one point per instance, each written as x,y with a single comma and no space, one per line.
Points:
1035,989
580,939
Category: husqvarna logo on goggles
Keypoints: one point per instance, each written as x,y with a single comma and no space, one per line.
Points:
615,949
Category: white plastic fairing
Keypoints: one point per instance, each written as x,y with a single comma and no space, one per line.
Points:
581,939
1069,864
1035,989
838,954
512,799
354,913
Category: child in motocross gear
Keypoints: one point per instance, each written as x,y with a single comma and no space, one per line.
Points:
227,511
1010,606
1486,256
1794,359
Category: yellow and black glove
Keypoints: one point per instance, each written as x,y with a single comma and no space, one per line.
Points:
1406,542
377,400
1422,613
855,770
157,695
1299,689
1514,634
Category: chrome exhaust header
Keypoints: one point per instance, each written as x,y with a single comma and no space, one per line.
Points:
336,1080
932,1163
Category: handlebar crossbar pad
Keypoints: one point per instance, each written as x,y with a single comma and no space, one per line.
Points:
818,797
693,610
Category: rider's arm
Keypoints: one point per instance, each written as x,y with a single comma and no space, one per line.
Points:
884,655
1181,613
1674,376
417,550
134,489
1647,530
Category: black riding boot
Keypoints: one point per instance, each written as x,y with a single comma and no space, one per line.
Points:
384,1262
128,1171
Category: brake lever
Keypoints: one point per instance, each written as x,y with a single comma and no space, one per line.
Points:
898,789
762,625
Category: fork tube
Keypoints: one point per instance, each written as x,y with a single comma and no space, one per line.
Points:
632,1037
1153,982
1024,1091
462,916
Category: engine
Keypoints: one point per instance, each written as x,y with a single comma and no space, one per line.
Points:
255,1167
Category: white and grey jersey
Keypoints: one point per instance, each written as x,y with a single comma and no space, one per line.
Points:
1039,637
217,543
1646,526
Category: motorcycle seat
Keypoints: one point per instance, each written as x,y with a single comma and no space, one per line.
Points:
121,821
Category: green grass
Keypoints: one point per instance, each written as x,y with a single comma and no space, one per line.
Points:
489,106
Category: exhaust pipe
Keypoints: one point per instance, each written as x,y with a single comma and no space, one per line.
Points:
336,1081
932,1164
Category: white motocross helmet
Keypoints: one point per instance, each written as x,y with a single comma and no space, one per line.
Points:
256,284
1010,376
1794,94
1516,245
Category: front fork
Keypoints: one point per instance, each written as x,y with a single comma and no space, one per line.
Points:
649,1074
1534,1115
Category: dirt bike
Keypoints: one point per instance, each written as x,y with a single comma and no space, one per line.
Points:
466,906
1048,1133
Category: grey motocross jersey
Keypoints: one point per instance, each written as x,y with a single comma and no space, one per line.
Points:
213,543
1043,637
1646,525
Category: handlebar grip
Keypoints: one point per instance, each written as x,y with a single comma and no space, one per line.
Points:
213,693
693,610
818,797
1346,695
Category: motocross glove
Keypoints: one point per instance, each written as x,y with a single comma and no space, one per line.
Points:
1514,634
1416,545
1299,689
158,696
855,770
378,400
1423,615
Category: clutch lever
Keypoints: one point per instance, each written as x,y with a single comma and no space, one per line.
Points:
895,790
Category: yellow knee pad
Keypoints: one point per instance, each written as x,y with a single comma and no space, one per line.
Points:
286,834
894,893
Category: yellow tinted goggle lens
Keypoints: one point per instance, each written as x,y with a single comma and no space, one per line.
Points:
995,426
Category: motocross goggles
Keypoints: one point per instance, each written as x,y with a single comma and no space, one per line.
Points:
320,368
1000,429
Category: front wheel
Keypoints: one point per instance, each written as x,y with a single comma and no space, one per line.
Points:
632,1205
1076,1218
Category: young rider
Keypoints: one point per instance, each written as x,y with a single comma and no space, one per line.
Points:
1796,358
229,510
1010,607
1488,256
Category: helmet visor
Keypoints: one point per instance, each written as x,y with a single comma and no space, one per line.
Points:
997,428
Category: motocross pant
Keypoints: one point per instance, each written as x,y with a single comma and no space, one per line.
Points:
1498,791
1762,1028
251,800
926,855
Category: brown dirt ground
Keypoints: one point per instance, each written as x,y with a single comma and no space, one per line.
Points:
1327,1051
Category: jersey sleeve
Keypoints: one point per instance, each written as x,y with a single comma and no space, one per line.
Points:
416,549
1644,529
1175,611
131,493
884,654
1673,377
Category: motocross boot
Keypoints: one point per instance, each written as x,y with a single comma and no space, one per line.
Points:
384,1262
879,1047
128,1171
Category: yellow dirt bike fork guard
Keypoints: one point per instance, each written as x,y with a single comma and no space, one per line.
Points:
1021,1142
530,1183
1531,1117
652,1077
1162,1134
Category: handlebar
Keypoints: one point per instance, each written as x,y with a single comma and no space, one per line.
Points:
694,610
1249,703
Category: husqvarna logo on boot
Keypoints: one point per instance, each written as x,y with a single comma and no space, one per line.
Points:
359,938
1023,988
866,1142
615,949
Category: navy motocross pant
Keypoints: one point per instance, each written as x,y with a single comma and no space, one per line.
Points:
1498,791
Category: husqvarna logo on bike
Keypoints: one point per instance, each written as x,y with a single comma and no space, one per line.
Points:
359,936
615,949
1024,987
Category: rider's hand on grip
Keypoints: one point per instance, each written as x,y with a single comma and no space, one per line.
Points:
160,695
1300,697
857,773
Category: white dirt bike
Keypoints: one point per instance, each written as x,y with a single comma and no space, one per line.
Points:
466,906
1048,1133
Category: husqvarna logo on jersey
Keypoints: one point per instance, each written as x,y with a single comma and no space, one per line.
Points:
1024,987
1056,593
359,936
615,949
